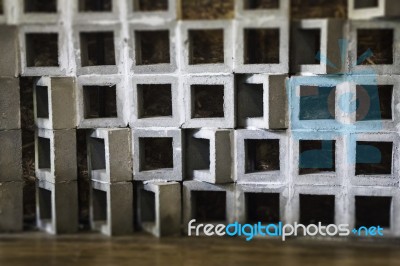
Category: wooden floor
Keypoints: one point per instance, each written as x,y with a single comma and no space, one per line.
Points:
93,249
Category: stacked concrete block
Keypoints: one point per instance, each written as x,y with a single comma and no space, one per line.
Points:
362,9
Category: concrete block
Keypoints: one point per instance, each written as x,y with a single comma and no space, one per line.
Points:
10,116
11,207
262,101
382,202
101,102
209,155
260,203
57,207
54,103
156,101
88,12
10,156
153,47
111,208
261,156
148,12
107,40
261,45
9,66
248,9
361,9
55,155
206,46
43,50
110,155
313,42
209,101
375,160
382,38
208,203
318,158
159,208
157,154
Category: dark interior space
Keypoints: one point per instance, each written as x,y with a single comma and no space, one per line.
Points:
150,5
206,47
83,179
40,6
308,44
97,153
316,156
250,100
156,153
262,207
42,49
374,102
261,46
99,201
262,155
207,9
373,211
374,158
95,6
100,101
45,212
209,206
147,206
303,9
42,102
261,4
154,100
97,49
44,153
317,208
207,101
152,47
380,42
317,103
365,3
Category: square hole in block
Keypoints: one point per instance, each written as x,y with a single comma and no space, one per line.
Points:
41,49
261,4
309,43
99,205
306,9
250,100
206,46
45,212
317,208
373,158
206,9
209,206
380,42
374,102
156,153
207,101
40,6
100,101
152,47
200,153
317,103
95,5
97,49
262,155
154,100
316,156
147,206
373,211
365,4
42,102
97,154
150,5
262,207
44,153
261,46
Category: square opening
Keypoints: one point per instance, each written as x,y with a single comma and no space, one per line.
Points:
261,4
380,42
150,5
97,154
156,153
40,6
365,3
200,152
207,101
306,9
97,49
317,208
251,100
207,10
374,102
100,101
308,42
262,207
262,155
373,158
42,102
209,206
95,6
147,206
206,47
44,153
99,205
373,211
154,100
42,49
317,103
152,47
261,46
316,156
45,212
